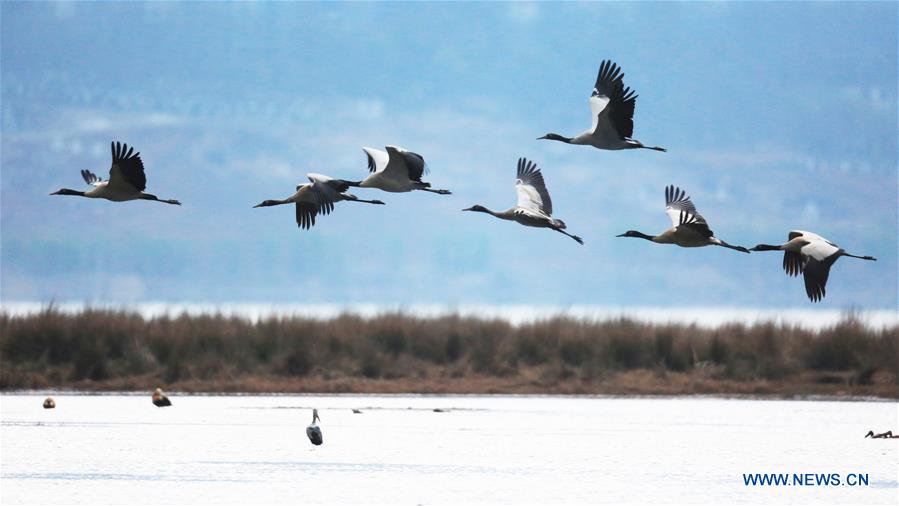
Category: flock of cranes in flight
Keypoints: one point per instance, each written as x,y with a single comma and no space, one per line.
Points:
398,170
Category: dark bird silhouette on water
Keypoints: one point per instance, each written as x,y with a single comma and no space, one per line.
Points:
883,435
313,431
160,400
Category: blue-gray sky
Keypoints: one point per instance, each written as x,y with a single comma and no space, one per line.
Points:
776,115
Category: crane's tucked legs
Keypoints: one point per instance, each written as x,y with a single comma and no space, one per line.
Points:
440,192
860,257
353,198
576,238
147,196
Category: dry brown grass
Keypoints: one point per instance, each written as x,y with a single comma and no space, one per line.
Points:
397,353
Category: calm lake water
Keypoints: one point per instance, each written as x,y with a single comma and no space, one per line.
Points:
504,449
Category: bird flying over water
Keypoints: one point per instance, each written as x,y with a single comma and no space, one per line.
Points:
396,170
313,431
127,180
811,255
534,208
612,108
688,228
317,197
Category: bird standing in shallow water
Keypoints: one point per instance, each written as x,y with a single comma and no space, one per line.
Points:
811,255
313,431
534,208
612,107
160,400
127,180
688,228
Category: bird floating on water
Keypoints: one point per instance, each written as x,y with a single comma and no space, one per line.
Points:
612,108
317,197
127,180
49,403
313,431
883,435
688,228
396,170
811,255
534,208
160,400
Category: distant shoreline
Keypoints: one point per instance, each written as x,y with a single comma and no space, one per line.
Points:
516,314
626,384
396,353
761,393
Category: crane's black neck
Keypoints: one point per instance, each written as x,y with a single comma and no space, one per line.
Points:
66,191
766,247
479,209
557,137
505,215
269,203
641,235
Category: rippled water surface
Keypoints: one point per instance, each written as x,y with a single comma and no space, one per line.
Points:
549,450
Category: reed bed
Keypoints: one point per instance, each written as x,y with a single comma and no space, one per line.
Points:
396,352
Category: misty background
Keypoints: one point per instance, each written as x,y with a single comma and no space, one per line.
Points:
777,116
